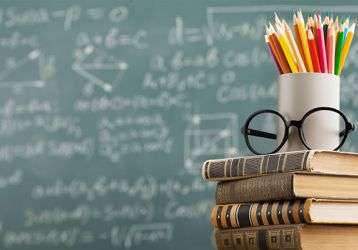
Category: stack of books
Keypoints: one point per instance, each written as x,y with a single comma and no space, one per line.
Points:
295,200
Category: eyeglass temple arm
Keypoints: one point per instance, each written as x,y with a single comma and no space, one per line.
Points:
258,133
350,128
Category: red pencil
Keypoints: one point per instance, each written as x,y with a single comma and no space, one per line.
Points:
321,46
313,51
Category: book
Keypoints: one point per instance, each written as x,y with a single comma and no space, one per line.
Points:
325,162
288,237
286,186
308,211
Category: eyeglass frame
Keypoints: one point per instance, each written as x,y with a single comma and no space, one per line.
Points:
246,131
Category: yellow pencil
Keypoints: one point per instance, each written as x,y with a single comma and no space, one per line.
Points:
280,26
346,47
304,41
296,52
286,50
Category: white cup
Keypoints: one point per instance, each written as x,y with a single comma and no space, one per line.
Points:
301,92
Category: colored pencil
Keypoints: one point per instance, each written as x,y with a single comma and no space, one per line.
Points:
314,21
296,52
336,25
286,50
273,54
304,42
325,28
339,46
276,45
313,51
333,48
331,36
346,47
321,46
298,39
345,27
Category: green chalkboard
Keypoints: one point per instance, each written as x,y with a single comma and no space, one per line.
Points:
108,109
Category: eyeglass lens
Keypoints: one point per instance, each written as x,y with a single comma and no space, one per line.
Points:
328,136
264,136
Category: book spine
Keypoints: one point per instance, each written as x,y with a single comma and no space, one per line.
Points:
260,214
233,168
262,238
251,189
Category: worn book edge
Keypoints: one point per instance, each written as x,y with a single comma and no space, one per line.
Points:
307,167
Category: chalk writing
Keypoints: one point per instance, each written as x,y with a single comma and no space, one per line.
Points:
163,100
63,149
109,110
241,92
199,209
145,188
13,179
52,237
83,213
148,233
12,107
50,124
17,39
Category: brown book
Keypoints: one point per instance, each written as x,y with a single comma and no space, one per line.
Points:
288,237
324,162
309,211
286,186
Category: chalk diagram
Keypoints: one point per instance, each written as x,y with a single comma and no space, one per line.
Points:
32,70
209,136
98,68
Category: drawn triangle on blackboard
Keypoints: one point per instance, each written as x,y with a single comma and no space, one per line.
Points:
23,72
99,67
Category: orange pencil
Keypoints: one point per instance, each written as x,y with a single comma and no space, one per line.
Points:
313,51
280,55
304,42
273,54
298,39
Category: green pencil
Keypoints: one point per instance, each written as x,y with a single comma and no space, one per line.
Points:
339,46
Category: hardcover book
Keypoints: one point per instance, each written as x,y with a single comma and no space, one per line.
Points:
309,211
286,186
324,162
288,237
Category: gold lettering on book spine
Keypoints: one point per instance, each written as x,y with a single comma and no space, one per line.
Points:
251,239
289,237
273,238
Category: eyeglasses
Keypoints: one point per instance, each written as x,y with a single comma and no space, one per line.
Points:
266,131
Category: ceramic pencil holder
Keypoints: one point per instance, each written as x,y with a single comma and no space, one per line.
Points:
300,92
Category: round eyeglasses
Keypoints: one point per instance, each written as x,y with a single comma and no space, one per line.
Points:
266,131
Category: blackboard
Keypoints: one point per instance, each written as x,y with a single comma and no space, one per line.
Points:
108,109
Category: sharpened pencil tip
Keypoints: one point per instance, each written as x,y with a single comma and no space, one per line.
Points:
352,28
